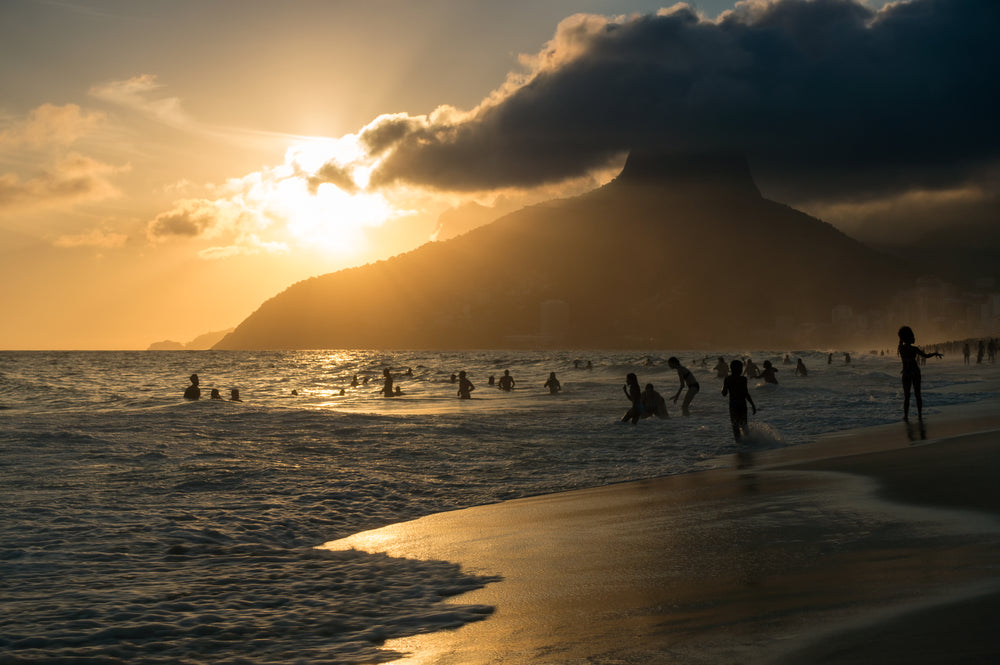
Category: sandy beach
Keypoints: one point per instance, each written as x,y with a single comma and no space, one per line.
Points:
878,545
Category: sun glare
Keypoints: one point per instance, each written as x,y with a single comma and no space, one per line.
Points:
325,216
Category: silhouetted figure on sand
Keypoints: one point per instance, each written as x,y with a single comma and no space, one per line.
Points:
506,382
653,403
687,379
234,395
465,386
193,391
553,384
769,372
735,386
800,368
387,385
634,395
910,373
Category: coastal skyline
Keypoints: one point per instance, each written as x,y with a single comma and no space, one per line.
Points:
166,169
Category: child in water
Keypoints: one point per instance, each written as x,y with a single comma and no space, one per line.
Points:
735,385
911,369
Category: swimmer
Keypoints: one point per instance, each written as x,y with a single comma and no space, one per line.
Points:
552,384
193,391
506,382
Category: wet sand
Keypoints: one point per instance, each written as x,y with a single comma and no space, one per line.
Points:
880,545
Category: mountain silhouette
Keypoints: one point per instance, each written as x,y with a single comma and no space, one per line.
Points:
679,251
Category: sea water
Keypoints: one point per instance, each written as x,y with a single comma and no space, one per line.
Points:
137,526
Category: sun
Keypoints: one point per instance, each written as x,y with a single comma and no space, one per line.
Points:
325,217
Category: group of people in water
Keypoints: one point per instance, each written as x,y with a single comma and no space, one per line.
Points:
647,402
193,391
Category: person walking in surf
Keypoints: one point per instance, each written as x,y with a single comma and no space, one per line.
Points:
735,386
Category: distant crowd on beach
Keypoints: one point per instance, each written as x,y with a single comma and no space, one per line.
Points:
646,402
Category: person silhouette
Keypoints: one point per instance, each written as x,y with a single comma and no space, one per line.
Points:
800,368
552,384
652,403
910,373
721,368
387,386
465,386
216,394
634,395
769,372
735,386
687,379
506,382
193,391
234,395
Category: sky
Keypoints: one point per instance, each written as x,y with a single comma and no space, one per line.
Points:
165,168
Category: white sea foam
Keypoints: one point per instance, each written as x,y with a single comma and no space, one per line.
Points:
141,527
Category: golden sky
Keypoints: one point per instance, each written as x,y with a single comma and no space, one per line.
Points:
167,167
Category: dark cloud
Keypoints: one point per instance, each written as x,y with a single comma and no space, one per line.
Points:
334,174
825,96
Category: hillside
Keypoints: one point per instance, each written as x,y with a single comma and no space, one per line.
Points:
678,251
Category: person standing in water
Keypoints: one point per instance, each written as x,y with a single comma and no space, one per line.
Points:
769,373
735,386
909,353
465,386
687,379
387,386
800,368
553,384
634,395
506,382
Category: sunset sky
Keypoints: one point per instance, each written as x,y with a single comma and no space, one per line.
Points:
165,167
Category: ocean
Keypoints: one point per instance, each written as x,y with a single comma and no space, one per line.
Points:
141,527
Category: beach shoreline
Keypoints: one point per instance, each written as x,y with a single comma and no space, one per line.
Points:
840,546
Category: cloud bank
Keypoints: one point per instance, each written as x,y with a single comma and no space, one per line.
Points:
825,95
